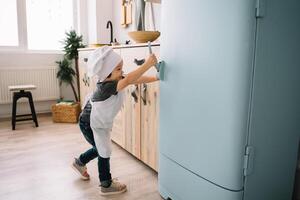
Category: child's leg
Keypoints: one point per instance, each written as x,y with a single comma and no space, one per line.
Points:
92,153
109,186
79,164
87,156
103,141
103,144
104,171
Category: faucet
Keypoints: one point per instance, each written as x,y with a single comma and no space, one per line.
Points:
109,23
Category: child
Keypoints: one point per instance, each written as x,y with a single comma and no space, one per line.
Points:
96,119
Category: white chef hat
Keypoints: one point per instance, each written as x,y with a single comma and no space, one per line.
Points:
102,61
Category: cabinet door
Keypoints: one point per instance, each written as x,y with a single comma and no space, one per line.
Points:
149,124
84,81
149,119
132,104
86,84
132,120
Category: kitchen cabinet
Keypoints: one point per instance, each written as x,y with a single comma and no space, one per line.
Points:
141,130
133,102
86,84
136,125
149,94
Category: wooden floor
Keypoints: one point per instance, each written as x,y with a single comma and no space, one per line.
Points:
35,165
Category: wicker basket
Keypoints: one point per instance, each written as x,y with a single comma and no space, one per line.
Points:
65,113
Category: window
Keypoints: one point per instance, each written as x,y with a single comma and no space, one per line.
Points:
47,22
8,23
35,24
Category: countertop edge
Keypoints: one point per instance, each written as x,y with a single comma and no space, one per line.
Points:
121,46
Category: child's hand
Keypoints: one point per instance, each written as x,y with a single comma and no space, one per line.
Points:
151,61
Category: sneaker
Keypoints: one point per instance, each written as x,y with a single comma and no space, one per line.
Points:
81,170
115,188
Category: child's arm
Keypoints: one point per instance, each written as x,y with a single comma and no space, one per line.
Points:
146,79
133,76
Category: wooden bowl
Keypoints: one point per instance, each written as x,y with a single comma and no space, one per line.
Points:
144,36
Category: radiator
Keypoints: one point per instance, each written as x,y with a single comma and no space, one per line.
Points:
42,77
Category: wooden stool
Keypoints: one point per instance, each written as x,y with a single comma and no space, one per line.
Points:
18,95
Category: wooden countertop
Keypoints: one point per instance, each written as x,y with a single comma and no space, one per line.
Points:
121,46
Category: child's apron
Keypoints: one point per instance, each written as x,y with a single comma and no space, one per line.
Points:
102,117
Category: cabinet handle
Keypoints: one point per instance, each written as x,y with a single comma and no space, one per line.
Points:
86,80
139,62
85,59
144,92
134,95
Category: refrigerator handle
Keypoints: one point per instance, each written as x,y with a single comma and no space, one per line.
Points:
150,52
161,70
159,66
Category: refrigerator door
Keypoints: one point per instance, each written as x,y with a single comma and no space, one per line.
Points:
275,113
207,46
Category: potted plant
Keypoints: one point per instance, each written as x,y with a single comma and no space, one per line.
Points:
71,45
66,74
66,111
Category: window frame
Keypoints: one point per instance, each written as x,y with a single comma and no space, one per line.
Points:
22,31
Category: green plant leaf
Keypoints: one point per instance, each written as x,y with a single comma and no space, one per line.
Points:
71,44
65,72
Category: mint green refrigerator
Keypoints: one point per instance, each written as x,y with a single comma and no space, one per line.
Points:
229,99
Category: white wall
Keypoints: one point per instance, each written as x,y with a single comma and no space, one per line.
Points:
120,32
94,15
98,13
19,59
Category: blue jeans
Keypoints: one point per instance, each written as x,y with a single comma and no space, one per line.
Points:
103,163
